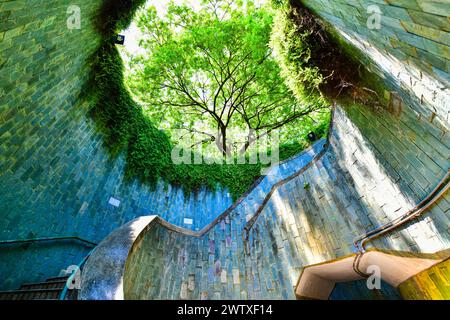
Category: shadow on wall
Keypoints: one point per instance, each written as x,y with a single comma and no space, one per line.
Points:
388,167
350,191
312,218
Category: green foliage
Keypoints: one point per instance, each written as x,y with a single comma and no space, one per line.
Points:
149,149
291,149
210,71
122,121
117,15
128,129
312,57
294,46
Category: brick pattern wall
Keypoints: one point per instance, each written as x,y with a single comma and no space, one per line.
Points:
412,45
169,265
382,162
55,174
57,178
354,188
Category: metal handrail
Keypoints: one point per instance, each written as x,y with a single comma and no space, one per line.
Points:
79,266
441,188
249,225
76,238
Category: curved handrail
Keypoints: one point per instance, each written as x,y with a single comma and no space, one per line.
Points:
252,221
226,213
317,281
113,287
171,227
441,188
181,230
197,234
76,238
79,266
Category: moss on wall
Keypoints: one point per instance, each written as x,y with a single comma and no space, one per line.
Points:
148,149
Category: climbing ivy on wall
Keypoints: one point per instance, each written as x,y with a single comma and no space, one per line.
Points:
127,129
317,62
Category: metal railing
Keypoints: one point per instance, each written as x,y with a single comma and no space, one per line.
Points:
440,189
47,239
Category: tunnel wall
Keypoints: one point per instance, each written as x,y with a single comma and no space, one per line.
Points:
57,177
351,189
410,50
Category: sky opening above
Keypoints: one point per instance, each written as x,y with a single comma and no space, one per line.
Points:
133,34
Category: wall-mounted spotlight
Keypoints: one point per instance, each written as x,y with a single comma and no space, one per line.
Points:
120,39
312,136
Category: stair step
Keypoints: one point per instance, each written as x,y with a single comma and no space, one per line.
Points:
44,285
30,294
72,295
56,279
49,290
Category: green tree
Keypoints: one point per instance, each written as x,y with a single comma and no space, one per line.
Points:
210,71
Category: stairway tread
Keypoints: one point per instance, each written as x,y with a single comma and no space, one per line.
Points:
45,282
53,279
48,290
27,286
30,290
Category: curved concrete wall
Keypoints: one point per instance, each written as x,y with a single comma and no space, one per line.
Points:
57,178
380,164
409,48
353,188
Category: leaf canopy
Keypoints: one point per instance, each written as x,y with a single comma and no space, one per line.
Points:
211,71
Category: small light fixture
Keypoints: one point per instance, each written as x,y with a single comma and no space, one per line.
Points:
120,39
312,136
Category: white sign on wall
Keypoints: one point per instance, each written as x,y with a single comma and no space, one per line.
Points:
114,202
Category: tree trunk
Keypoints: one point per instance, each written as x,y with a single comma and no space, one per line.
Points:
223,132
